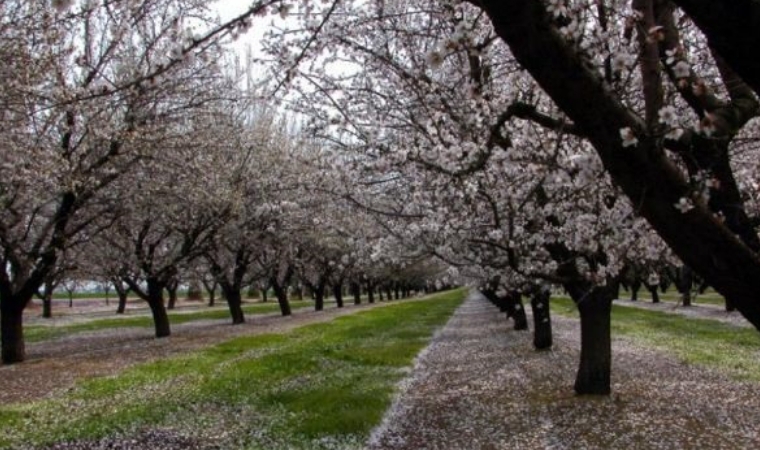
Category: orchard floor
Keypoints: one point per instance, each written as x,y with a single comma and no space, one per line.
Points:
479,385
55,365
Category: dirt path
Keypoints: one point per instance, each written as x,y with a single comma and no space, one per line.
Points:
58,364
479,385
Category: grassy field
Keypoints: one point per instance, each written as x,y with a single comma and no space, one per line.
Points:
710,297
704,342
320,386
37,333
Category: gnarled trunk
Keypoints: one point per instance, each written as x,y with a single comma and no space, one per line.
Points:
155,301
171,288
338,293
655,294
234,302
370,293
516,310
319,297
12,331
282,297
356,290
47,305
121,292
542,324
593,377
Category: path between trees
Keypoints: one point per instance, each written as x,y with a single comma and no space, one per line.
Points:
480,385
58,364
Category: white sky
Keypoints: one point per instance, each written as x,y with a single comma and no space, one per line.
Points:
229,9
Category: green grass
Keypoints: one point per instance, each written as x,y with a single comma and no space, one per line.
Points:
708,343
37,333
319,386
709,297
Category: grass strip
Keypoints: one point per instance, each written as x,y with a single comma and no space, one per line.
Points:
320,386
704,342
38,333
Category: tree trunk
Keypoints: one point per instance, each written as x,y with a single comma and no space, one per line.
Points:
319,298
122,293
521,319
282,298
685,280
156,302
122,302
593,377
338,293
513,305
635,286
655,294
370,293
47,305
172,290
542,324
12,331
356,290
234,301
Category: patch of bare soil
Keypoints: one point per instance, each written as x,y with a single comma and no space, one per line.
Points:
480,385
56,365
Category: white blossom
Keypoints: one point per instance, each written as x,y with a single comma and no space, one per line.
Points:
629,138
684,205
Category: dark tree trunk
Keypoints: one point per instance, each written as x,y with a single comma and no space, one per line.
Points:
370,293
397,291
655,294
685,280
265,295
281,293
122,302
235,302
122,293
172,290
356,291
542,324
513,305
156,302
389,292
380,294
635,286
729,306
12,331
338,293
319,298
47,304
593,377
